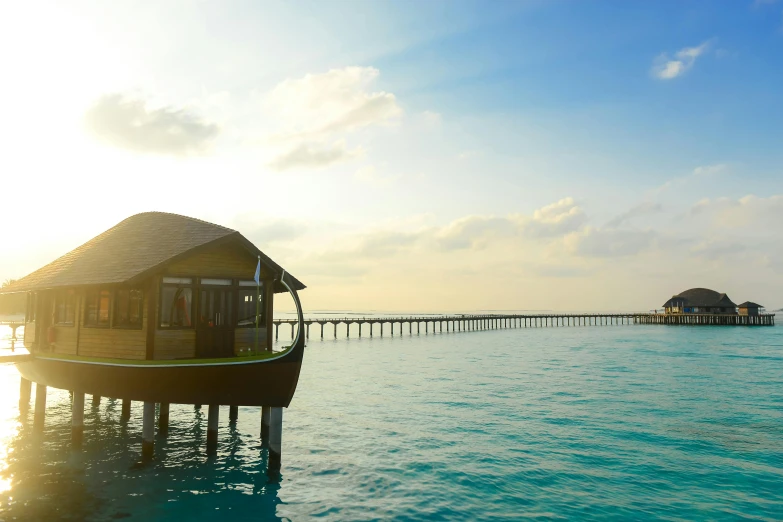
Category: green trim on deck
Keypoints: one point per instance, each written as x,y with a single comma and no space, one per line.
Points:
143,362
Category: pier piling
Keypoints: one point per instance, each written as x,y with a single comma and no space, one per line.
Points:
77,419
148,431
40,407
265,413
212,428
275,438
233,413
163,418
25,391
126,408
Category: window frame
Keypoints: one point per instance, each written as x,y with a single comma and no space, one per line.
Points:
99,290
59,295
30,312
115,301
193,286
261,298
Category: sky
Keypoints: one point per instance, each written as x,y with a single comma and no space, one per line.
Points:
412,156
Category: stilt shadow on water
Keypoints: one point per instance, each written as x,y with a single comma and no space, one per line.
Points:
106,478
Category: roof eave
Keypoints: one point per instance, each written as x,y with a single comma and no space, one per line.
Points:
277,269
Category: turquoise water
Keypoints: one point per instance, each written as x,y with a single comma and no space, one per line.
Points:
632,422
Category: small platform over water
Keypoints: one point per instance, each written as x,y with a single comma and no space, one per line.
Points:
14,355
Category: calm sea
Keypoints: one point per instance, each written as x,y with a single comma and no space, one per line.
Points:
631,422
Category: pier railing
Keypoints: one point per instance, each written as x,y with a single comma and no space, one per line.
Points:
467,323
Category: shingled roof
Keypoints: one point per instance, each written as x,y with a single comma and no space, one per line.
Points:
749,304
133,249
700,297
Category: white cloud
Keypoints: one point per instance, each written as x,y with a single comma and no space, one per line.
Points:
313,156
336,101
666,68
701,171
642,209
129,123
609,242
474,231
555,219
750,212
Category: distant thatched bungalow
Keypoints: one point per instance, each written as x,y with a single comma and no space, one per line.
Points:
749,308
700,301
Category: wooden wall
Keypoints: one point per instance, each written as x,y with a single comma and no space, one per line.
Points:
175,344
246,337
227,260
29,335
119,343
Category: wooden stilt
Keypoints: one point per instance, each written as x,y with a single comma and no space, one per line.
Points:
233,413
148,431
126,408
265,425
77,419
40,407
25,391
163,418
212,428
275,438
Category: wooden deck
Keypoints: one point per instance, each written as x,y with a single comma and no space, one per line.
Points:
469,323
14,355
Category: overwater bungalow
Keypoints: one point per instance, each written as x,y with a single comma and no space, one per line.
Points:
161,308
700,301
749,308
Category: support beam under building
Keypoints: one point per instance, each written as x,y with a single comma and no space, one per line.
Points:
275,438
148,431
212,428
163,418
77,419
40,407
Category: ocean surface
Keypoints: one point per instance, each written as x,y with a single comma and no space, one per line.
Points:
613,422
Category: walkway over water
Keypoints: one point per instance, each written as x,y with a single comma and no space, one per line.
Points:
468,323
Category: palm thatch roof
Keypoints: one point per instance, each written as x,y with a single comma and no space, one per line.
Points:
700,297
135,249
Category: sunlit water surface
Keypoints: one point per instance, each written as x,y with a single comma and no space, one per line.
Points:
592,422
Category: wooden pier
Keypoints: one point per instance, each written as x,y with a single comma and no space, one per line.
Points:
469,323
12,322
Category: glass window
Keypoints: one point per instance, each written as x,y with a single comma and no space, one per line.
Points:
31,302
223,282
178,280
176,306
96,308
64,308
246,316
128,308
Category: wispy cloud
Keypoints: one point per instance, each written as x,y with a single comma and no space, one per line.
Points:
642,209
667,68
336,101
129,123
313,156
698,172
